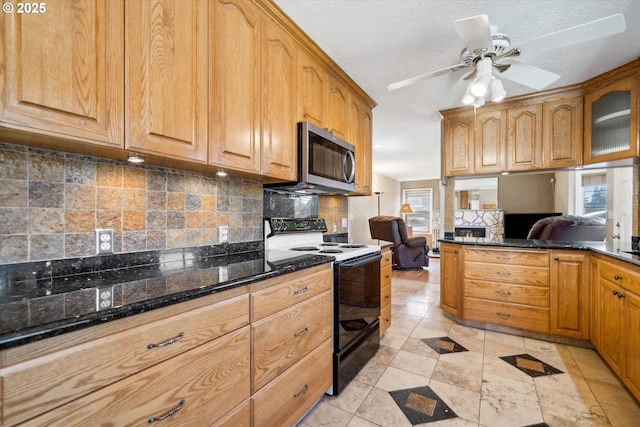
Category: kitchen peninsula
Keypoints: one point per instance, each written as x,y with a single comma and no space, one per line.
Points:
582,293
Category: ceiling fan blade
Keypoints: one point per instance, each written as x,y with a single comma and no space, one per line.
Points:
475,32
416,79
593,30
530,76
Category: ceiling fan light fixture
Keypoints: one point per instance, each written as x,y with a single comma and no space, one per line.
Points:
480,86
468,98
497,90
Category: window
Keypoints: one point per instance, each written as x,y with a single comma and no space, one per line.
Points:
420,200
592,195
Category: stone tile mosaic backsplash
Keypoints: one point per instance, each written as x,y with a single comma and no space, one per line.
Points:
51,202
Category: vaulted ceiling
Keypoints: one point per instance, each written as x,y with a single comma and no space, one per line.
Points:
378,42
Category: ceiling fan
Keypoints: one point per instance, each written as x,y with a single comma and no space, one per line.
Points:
486,52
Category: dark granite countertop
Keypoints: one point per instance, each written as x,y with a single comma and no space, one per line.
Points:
617,249
44,299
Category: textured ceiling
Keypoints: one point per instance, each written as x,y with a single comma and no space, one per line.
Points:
378,42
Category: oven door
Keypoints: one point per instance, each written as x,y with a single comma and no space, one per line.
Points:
356,298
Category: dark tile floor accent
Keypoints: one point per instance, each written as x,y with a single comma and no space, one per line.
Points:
353,324
443,345
530,365
421,405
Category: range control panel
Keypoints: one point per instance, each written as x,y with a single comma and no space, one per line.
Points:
295,225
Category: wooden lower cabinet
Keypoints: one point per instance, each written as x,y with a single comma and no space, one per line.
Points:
283,401
193,362
569,294
451,260
385,290
194,388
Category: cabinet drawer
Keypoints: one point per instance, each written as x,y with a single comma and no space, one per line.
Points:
387,257
503,292
385,318
38,385
513,274
206,383
620,276
287,398
501,256
282,339
385,296
512,315
385,276
281,295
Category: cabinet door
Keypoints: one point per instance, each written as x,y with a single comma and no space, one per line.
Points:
458,145
490,141
360,131
313,87
279,130
338,113
611,324
62,71
610,121
234,116
569,294
562,132
450,279
524,137
632,342
167,78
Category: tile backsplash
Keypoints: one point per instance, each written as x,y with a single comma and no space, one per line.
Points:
51,202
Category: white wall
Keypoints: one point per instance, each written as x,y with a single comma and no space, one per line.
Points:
361,208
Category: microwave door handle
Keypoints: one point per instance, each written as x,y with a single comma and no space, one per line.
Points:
348,157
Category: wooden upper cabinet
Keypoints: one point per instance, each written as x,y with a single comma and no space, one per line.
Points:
562,132
279,130
338,113
234,118
458,144
361,138
313,89
524,137
62,71
167,78
490,141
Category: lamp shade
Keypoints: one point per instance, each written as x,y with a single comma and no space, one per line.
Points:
405,208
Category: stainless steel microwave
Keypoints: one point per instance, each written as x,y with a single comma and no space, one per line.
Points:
326,163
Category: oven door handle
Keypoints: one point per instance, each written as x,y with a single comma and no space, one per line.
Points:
360,261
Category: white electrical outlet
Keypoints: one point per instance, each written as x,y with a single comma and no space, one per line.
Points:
104,241
223,234
345,224
104,298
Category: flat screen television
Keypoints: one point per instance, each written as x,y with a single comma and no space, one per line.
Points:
517,225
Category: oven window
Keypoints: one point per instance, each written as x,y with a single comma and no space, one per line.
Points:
359,300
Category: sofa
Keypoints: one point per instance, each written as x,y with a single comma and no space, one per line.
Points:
568,228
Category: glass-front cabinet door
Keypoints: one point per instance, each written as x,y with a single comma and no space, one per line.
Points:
611,121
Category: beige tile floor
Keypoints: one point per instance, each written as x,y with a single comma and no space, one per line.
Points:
477,385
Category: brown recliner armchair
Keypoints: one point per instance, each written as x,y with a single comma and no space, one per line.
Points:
408,252
568,228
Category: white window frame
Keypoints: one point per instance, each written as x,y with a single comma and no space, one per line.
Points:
416,209
579,189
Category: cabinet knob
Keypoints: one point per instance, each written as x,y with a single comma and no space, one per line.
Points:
618,294
455,252
556,258
617,277
386,297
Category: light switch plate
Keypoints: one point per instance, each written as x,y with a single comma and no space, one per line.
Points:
104,241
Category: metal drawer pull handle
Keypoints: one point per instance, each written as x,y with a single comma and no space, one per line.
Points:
504,257
503,315
301,291
304,332
617,277
168,414
618,294
504,273
303,392
507,293
171,341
